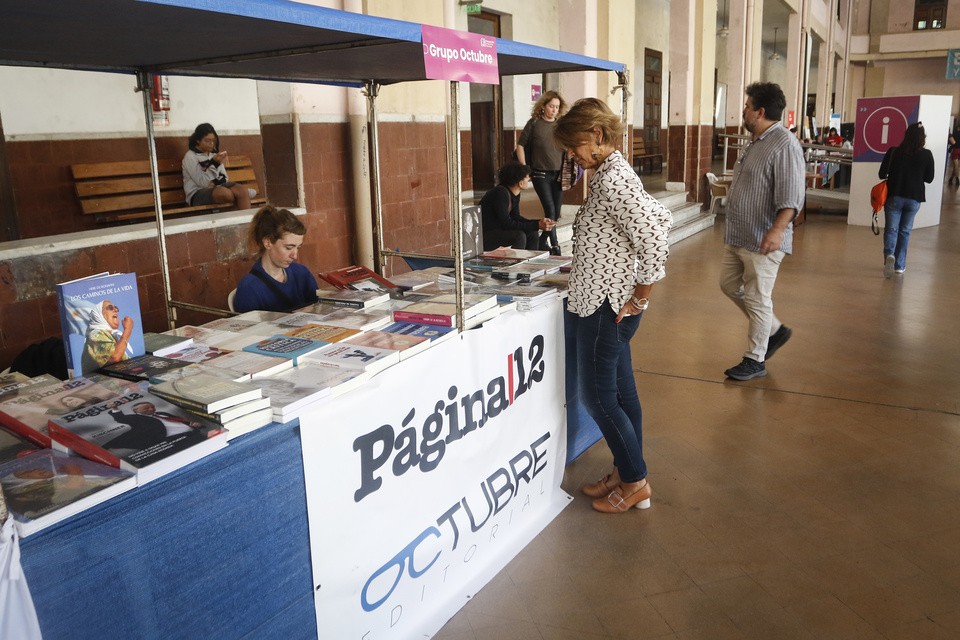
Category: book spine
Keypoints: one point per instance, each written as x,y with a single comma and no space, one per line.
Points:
65,330
351,304
120,374
26,432
423,318
83,447
192,405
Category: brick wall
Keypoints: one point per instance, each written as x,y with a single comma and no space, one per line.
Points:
43,186
206,264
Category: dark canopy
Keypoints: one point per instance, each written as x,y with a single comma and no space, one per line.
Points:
260,39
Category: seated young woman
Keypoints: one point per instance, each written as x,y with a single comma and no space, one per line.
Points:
276,282
205,178
503,226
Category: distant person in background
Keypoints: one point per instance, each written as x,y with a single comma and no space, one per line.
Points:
276,282
205,176
106,342
954,149
906,168
503,226
536,148
833,139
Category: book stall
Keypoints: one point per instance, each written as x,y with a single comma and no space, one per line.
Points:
359,467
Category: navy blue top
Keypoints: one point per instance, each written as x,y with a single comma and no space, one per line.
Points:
501,211
253,293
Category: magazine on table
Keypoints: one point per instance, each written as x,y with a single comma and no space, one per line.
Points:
138,432
45,487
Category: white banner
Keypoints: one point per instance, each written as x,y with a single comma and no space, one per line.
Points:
425,482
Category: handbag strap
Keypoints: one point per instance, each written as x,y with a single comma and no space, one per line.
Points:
272,285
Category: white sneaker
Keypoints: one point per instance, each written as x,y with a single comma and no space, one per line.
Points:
888,266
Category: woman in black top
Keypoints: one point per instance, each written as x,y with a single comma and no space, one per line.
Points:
503,226
906,169
536,148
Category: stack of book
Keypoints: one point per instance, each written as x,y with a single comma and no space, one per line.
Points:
360,299
300,389
238,407
441,310
527,297
138,432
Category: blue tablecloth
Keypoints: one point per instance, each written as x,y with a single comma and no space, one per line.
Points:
218,549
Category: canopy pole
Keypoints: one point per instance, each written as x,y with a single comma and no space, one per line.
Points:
624,85
144,86
371,91
456,197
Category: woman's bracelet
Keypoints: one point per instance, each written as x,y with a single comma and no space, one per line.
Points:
640,303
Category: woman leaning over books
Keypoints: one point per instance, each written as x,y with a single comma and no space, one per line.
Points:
620,248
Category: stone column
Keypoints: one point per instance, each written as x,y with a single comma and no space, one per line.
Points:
692,55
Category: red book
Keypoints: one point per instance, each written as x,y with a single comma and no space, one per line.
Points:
357,277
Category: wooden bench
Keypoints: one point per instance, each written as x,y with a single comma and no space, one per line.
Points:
114,191
643,160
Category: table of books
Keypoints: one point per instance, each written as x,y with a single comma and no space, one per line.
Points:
221,548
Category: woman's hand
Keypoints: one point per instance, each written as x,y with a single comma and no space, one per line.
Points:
546,224
221,157
637,303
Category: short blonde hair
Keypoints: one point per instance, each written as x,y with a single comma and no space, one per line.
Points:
584,115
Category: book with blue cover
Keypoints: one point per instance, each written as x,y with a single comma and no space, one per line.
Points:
285,347
100,320
436,333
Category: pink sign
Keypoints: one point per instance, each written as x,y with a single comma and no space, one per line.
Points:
458,55
881,123
535,92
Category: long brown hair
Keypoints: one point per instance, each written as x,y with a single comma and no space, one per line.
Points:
541,104
271,223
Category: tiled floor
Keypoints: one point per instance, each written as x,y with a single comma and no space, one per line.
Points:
819,502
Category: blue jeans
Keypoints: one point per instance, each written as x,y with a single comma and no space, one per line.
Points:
899,214
608,390
547,186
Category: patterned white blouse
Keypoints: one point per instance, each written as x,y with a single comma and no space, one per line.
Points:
620,239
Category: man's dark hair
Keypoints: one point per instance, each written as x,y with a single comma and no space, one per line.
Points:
512,173
769,97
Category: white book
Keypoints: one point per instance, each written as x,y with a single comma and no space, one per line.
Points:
353,356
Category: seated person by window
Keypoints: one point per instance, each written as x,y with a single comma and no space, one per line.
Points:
205,176
276,282
503,226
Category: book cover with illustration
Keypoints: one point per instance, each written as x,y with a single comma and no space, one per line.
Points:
27,413
407,345
138,432
285,347
100,321
145,367
205,392
322,332
46,486
354,356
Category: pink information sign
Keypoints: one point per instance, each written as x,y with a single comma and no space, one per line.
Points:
458,55
881,123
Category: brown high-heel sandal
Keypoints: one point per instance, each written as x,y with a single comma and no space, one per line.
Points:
601,487
614,502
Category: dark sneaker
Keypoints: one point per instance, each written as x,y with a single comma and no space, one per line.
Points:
747,370
888,264
777,340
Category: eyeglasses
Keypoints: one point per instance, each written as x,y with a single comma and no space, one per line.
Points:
110,307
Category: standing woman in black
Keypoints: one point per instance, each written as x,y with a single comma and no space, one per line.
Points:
537,149
906,169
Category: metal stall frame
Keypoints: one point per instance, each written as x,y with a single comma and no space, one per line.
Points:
260,40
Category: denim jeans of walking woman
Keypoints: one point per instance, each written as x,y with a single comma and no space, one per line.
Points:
608,390
899,213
